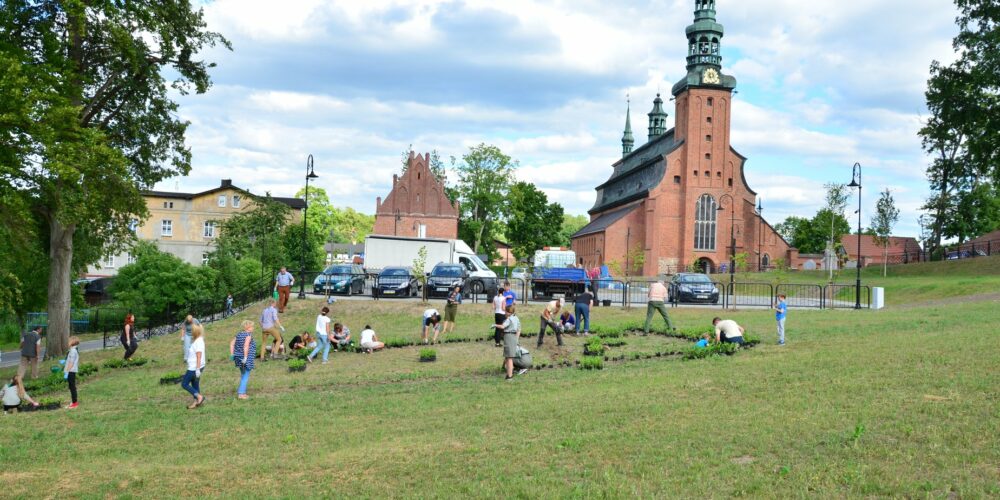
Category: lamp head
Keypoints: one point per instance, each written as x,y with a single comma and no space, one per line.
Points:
854,184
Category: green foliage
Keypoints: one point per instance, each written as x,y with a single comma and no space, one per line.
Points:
886,216
257,233
617,342
94,121
171,378
122,363
158,282
592,363
428,355
313,253
398,342
296,364
636,259
55,381
532,222
484,178
719,349
10,330
570,225
420,265
594,347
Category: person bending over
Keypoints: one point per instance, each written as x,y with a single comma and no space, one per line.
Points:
370,341
727,330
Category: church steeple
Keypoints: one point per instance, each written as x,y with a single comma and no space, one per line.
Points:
704,60
657,119
627,140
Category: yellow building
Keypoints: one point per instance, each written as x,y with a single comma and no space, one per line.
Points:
186,224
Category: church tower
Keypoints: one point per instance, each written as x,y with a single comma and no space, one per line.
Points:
627,140
657,119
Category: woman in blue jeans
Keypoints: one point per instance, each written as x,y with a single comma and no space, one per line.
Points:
243,350
322,336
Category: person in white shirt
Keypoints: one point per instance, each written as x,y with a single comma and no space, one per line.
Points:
322,336
369,341
499,315
432,319
195,361
727,330
13,394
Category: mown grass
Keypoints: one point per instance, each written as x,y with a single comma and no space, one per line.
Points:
888,403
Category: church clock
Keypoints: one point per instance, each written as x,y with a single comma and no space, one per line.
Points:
710,77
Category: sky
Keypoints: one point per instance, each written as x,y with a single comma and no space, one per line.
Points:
822,84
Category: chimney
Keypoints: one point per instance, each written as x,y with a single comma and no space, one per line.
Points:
227,183
378,203
394,179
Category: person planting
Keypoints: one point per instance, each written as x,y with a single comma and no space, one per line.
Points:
727,330
432,320
549,320
13,394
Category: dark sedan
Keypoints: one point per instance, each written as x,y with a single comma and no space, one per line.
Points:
341,278
693,287
444,278
396,282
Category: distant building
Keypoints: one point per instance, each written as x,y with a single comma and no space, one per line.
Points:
505,254
343,252
186,224
676,199
874,254
417,206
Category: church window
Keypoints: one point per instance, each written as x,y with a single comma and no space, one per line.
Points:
704,223
765,261
708,174
708,138
730,182
719,174
696,173
710,102
708,156
677,179
708,119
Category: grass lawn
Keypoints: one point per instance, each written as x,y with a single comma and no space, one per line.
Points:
900,402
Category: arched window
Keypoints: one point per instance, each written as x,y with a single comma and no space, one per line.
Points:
704,223
765,261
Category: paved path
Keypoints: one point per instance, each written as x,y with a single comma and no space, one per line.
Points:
12,358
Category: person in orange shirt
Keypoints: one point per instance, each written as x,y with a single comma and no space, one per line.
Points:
655,302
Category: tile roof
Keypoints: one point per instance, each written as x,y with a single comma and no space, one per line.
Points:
992,238
605,221
897,245
293,203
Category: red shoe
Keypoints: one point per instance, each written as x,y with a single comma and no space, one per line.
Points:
73,406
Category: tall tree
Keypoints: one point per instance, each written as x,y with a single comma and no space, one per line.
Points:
351,226
963,131
885,218
791,228
532,221
570,225
484,178
256,233
102,122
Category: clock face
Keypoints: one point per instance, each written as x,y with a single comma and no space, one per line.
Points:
710,77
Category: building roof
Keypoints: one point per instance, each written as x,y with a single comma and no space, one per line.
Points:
605,221
897,245
636,173
353,248
992,237
293,203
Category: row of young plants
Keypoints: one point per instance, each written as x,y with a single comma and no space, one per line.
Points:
55,381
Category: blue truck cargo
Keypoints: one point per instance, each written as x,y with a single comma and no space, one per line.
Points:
552,282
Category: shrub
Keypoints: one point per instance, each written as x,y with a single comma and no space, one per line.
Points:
296,365
121,363
87,369
594,347
398,342
428,355
10,332
171,378
592,363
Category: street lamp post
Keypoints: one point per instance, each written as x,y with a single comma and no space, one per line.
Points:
628,235
760,235
732,239
856,183
310,175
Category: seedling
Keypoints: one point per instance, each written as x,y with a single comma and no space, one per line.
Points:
297,365
592,363
428,355
171,378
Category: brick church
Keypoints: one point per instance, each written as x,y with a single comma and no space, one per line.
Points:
674,199
417,206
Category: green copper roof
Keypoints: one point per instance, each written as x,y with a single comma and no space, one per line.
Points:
627,140
657,119
704,60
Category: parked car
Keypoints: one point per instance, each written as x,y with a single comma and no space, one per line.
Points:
692,287
520,273
341,278
396,282
965,254
445,277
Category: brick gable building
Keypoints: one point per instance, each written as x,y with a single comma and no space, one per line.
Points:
675,198
417,206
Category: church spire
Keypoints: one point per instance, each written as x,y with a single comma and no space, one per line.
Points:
657,119
627,140
704,60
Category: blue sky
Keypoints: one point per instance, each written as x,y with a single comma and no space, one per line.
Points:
822,84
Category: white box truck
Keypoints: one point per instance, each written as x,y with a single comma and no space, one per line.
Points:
398,251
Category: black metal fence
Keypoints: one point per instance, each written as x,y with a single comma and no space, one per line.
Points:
801,295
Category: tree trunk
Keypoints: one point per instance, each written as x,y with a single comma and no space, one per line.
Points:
885,261
60,275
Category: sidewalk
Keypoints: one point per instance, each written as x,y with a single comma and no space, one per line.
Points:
12,358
